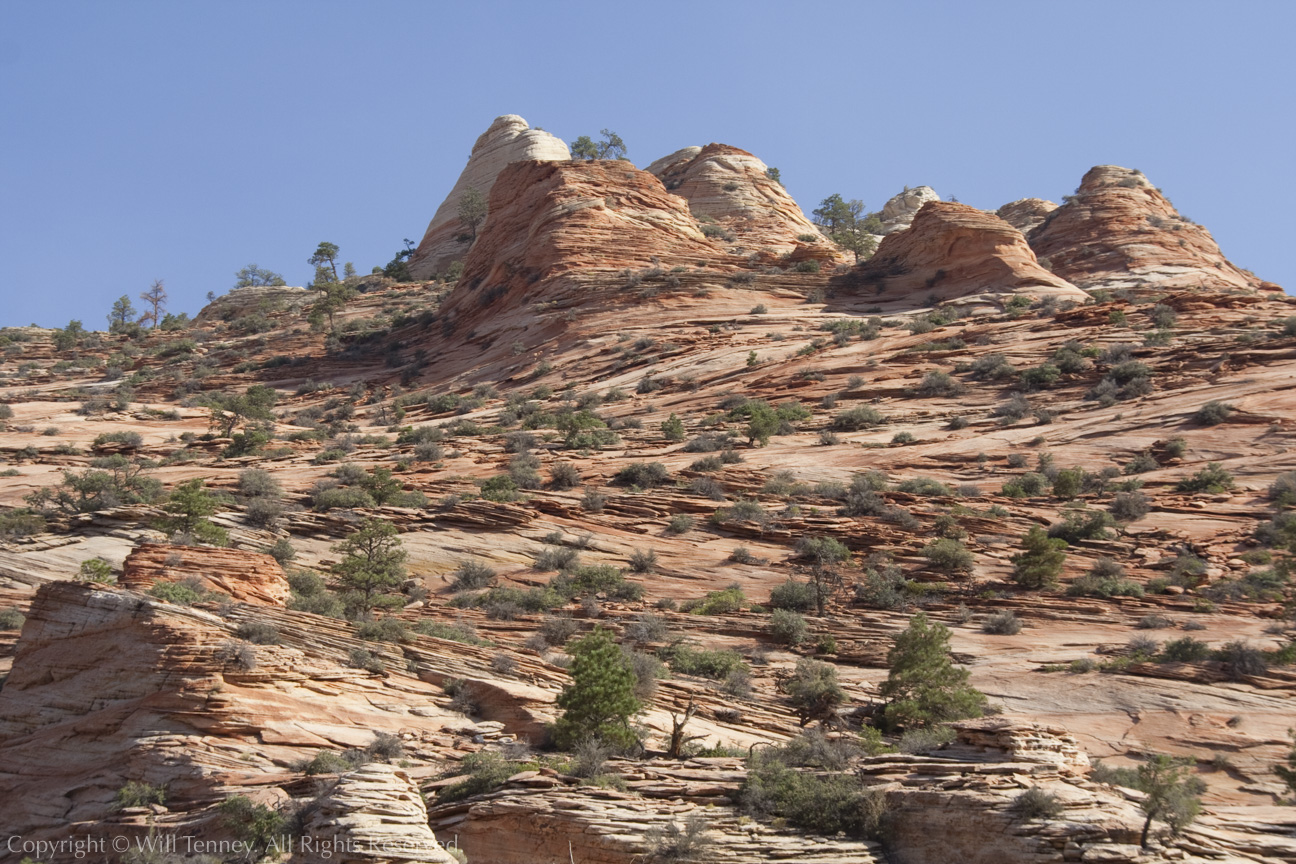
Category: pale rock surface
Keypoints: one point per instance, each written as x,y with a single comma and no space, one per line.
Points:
509,139
373,815
899,211
244,301
1025,214
733,187
1119,231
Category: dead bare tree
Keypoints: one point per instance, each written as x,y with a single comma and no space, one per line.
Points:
156,298
679,740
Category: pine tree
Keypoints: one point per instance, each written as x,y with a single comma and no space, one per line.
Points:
673,428
1041,564
472,210
813,690
600,700
1172,793
191,504
924,687
372,563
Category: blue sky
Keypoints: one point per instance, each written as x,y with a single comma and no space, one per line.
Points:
183,140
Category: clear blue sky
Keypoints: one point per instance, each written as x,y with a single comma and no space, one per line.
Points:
183,140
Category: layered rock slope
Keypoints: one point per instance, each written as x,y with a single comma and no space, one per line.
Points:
246,577
1119,231
733,188
952,252
509,139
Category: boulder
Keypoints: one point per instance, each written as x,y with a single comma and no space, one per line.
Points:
898,213
1025,214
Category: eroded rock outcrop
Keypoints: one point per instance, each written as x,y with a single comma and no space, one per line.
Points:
374,814
733,187
899,211
1025,214
586,220
246,577
1119,231
258,298
954,251
509,139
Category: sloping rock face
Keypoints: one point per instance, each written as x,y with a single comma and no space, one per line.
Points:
1119,231
733,187
552,220
898,213
954,251
373,814
1025,214
110,685
245,301
247,577
509,139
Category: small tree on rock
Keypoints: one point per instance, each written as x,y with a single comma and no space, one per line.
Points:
1172,793
924,687
190,504
326,256
156,298
813,690
123,312
372,565
252,275
472,210
600,700
1040,565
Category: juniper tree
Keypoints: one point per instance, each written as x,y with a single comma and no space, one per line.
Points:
924,687
372,564
600,700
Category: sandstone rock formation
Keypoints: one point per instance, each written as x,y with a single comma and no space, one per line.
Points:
245,301
374,814
733,187
1119,231
246,577
509,139
555,225
954,251
1025,214
899,211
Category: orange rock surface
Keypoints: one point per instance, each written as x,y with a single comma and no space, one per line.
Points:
952,251
247,577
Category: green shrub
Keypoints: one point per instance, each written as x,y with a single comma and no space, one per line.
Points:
645,475
788,627
600,700
1213,413
137,793
483,772
923,687
95,570
11,618
1081,524
948,556
185,593
680,523
1005,623
861,417
718,664
821,804
1213,478
723,602
1185,650
1035,803
813,690
793,595
924,739
384,630
1040,565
